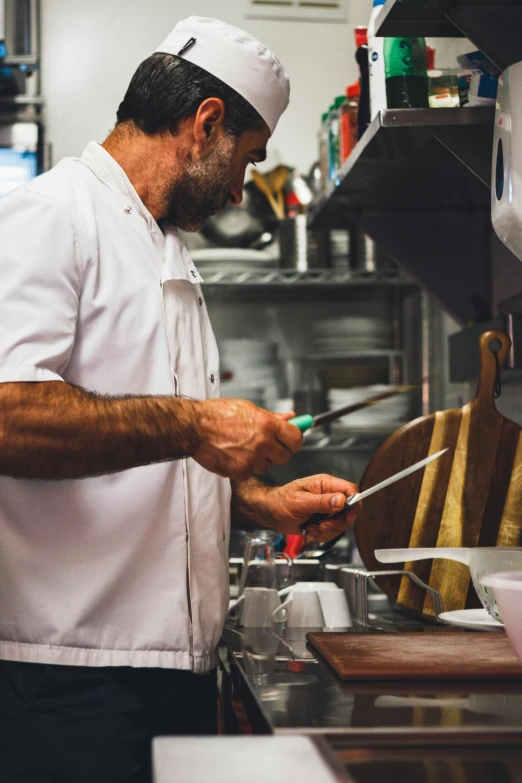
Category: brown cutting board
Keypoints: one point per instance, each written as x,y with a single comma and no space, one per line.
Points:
471,496
458,655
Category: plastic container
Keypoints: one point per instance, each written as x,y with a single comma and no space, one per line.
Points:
335,136
406,73
362,57
349,112
443,88
376,64
324,151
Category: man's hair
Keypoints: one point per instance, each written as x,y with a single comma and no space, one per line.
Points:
165,89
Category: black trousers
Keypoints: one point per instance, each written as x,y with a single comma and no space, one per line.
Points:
75,724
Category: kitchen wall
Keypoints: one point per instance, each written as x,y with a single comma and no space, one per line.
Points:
91,48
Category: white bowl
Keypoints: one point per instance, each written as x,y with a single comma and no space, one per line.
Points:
507,589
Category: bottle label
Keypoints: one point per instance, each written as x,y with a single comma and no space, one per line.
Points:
405,57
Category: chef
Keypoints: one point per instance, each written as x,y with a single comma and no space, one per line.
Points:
120,465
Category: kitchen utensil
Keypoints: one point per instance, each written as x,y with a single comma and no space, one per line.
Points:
293,243
263,185
481,561
259,563
432,655
507,588
377,488
307,421
256,607
472,619
472,497
300,610
277,180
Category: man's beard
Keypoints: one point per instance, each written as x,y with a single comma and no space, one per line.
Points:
202,189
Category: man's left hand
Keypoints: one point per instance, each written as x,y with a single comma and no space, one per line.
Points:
294,503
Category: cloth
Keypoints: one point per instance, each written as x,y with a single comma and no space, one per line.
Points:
72,724
129,569
235,57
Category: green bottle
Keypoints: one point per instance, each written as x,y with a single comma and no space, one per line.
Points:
406,73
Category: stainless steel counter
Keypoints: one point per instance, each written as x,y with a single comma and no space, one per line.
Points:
277,685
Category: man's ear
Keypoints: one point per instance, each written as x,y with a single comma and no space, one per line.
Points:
209,123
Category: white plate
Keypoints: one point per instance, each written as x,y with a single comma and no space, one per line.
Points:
475,619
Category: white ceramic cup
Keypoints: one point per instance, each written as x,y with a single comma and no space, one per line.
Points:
334,605
302,609
307,587
257,608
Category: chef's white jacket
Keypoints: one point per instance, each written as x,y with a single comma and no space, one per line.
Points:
129,569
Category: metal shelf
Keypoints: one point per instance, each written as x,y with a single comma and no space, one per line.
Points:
21,59
21,100
493,26
311,278
357,436
353,355
417,183
403,159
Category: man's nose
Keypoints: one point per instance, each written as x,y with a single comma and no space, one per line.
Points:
235,196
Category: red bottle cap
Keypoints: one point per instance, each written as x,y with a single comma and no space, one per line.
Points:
361,36
353,91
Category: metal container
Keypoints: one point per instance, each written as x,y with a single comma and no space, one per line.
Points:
301,249
367,256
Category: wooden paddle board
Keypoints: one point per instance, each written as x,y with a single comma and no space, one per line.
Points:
471,496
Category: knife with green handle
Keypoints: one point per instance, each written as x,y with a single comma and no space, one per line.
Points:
351,501
308,422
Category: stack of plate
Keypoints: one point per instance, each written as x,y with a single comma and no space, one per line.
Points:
232,259
249,370
388,413
353,333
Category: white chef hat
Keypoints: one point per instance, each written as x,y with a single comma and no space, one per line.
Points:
235,57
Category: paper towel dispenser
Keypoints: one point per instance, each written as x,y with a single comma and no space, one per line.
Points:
506,185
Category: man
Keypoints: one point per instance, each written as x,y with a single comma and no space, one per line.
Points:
121,466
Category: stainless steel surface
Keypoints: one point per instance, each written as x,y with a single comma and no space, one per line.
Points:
285,690
397,477
491,25
394,187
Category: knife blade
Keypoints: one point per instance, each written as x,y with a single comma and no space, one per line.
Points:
351,501
307,421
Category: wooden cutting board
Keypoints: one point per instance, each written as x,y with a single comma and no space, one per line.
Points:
458,655
471,496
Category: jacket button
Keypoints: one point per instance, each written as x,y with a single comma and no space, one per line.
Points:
212,379
127,210
200,301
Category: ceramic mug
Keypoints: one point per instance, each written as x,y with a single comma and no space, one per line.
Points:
334,605
302,609
303,587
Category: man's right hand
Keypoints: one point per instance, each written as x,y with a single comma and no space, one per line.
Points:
237,439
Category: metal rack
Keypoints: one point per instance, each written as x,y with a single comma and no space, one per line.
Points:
357,583
311,278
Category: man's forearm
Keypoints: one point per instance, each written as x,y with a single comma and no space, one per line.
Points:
249,507
53,430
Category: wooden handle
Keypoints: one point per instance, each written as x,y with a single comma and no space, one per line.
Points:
490,342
